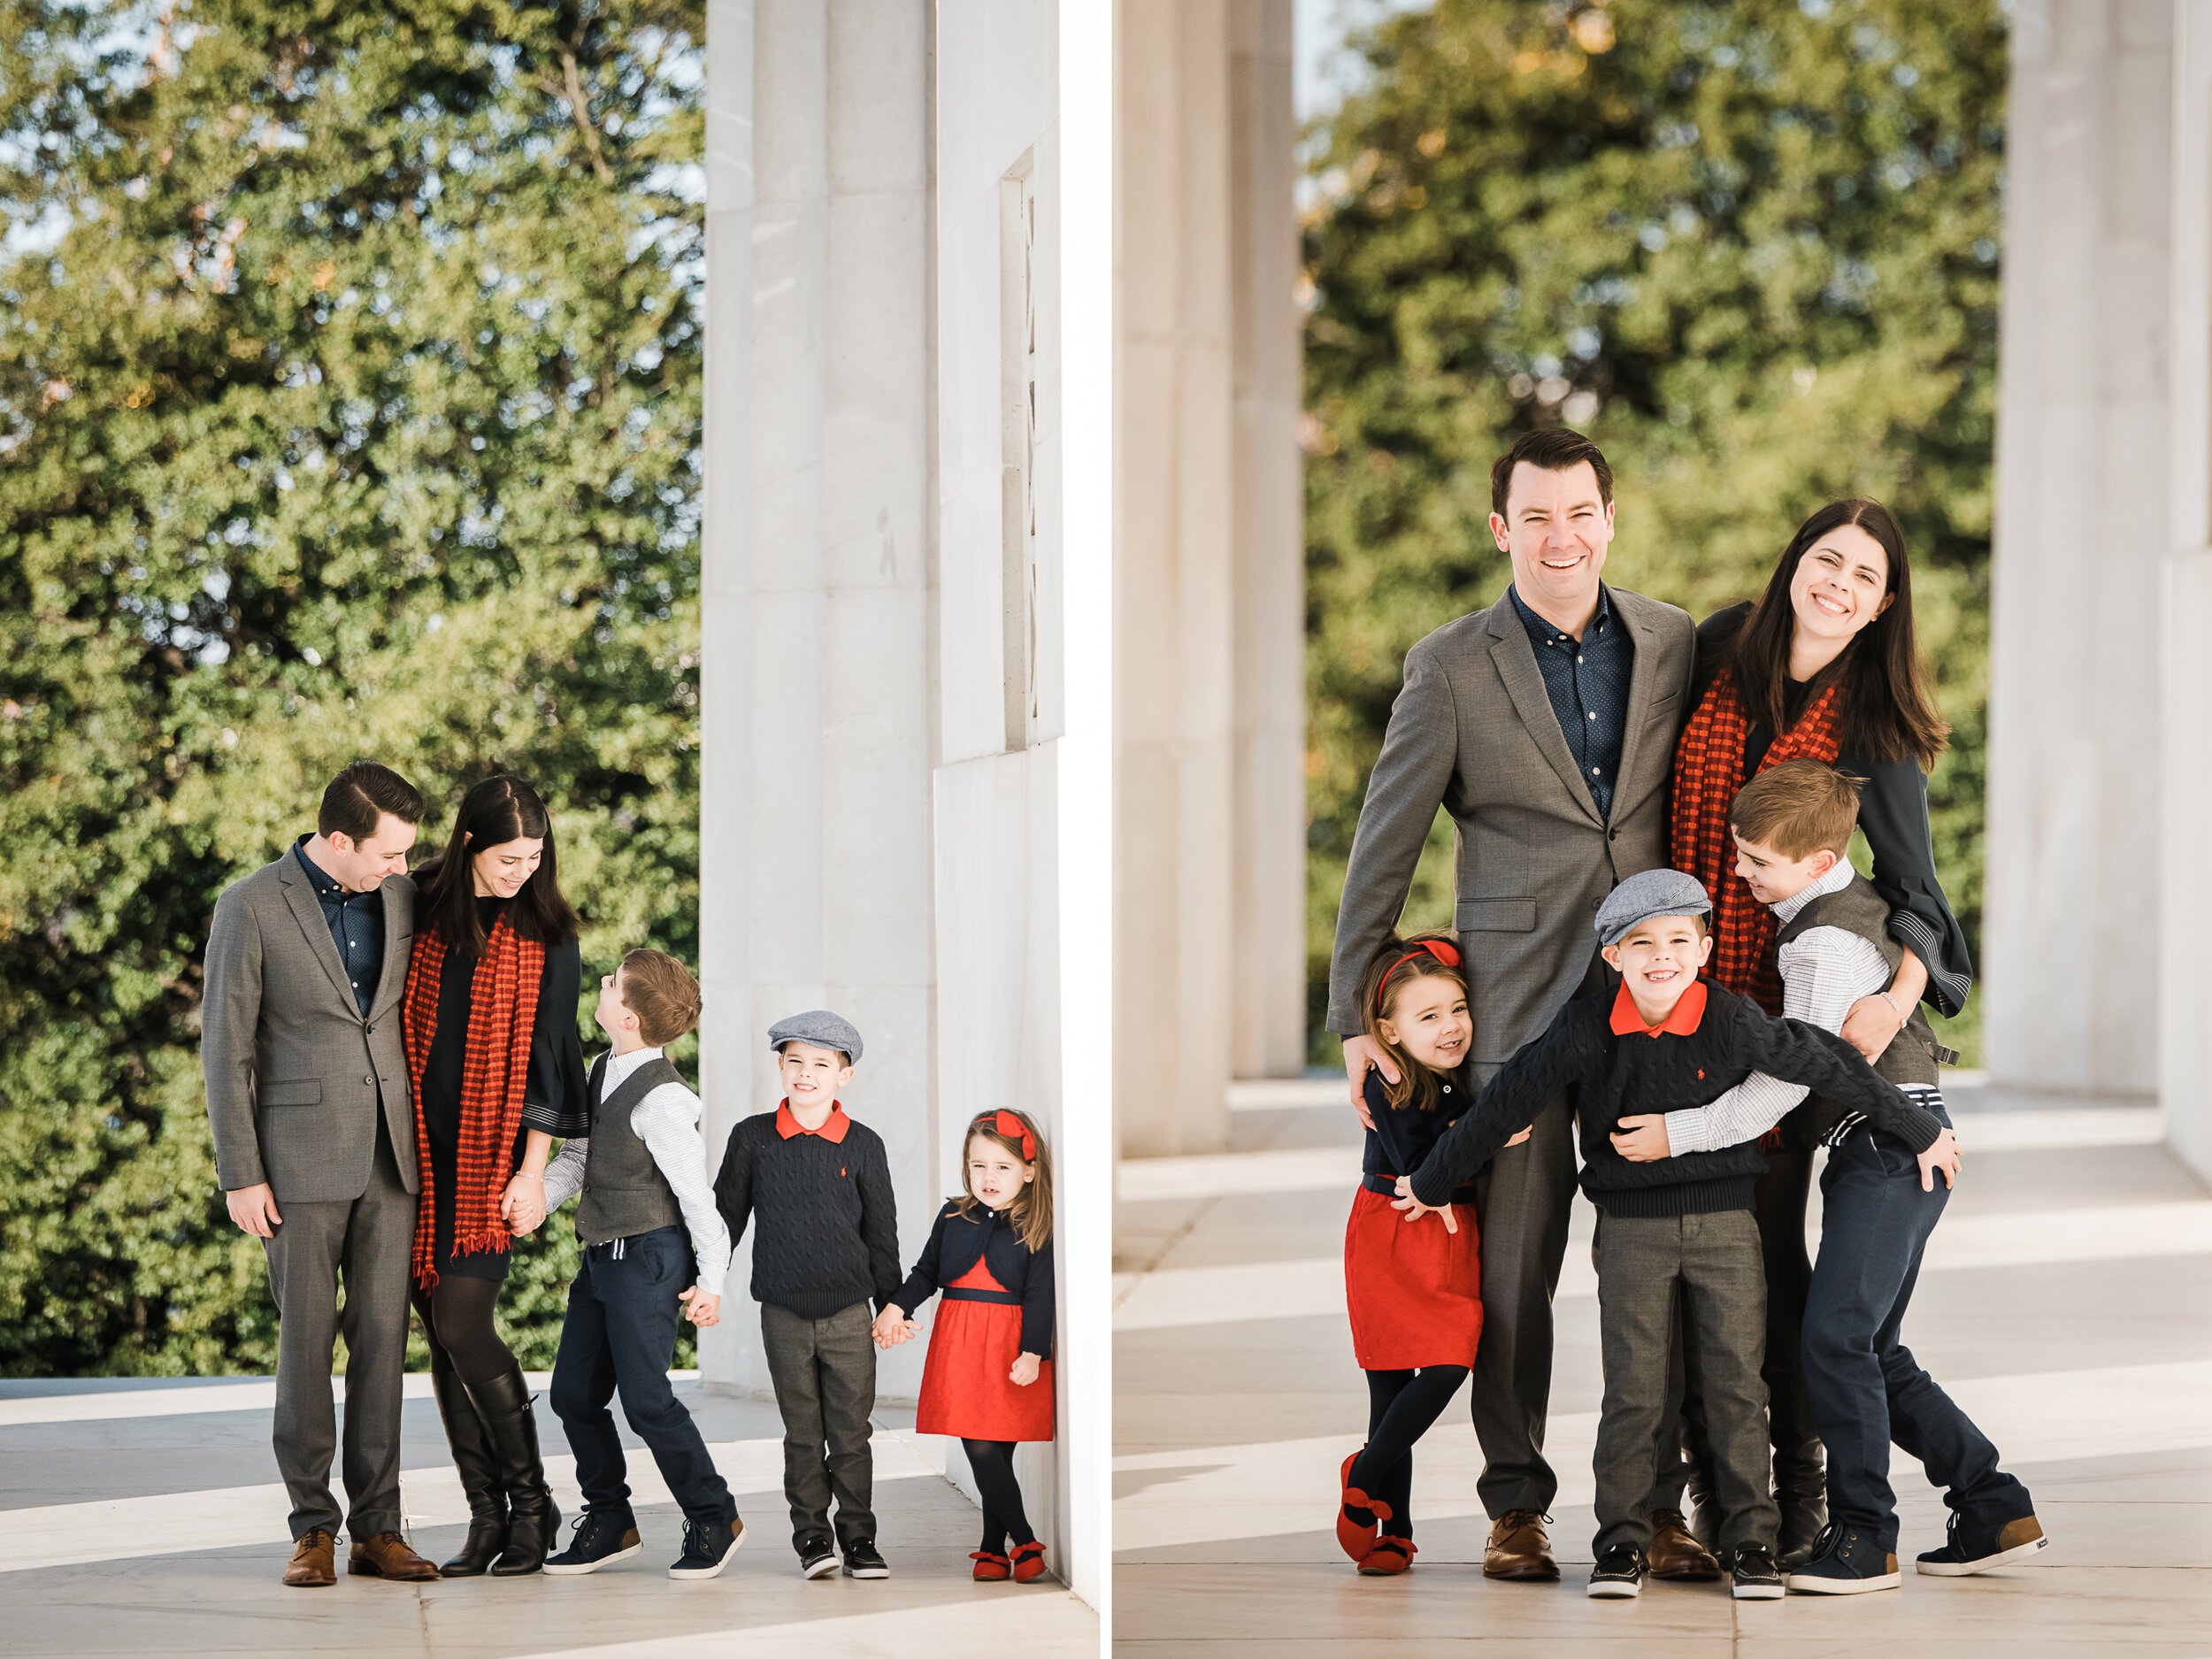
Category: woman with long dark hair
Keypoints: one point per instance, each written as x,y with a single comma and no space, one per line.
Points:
1823,666
498,1073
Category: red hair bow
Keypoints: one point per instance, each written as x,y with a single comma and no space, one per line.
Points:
1003,1122
1446,954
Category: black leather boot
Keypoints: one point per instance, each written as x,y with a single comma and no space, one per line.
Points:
1800,1492
532,1518
472,1456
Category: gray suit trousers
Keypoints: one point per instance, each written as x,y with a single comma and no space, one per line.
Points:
366,1242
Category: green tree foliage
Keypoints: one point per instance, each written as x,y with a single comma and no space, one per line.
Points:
1750,247
348,405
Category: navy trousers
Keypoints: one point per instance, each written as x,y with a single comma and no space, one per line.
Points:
1865,1387
618,1337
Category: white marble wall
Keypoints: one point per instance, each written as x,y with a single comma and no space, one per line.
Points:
816,819
2078,724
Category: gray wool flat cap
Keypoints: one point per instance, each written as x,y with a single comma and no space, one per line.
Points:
1641,897
820,1027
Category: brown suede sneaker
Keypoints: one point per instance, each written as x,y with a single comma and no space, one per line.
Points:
1675,1553
312,1566
1518,1549
387,1555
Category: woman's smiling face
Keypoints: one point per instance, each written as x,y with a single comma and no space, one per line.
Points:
1428,1019
501,871
1840,584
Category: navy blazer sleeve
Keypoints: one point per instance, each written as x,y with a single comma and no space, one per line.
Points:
554,1097
1037,1303
924,1281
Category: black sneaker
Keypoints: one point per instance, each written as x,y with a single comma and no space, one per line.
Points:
1757,1577
707,1547
1845,1561
601,1536
1978,1543
816,1559
863,1562
1619,1572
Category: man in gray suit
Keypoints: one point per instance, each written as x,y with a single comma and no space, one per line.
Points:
315,1146
1546,725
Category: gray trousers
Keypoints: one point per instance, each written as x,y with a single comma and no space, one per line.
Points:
1710,1271
365,1241
1524,1195
824,1373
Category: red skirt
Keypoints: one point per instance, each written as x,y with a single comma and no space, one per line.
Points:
965,1386
1414,1290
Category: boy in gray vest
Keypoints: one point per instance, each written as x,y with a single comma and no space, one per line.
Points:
643,1176
1792,825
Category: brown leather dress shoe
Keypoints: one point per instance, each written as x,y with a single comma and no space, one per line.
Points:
1675,1553
1518,1547
387,1555
312,1563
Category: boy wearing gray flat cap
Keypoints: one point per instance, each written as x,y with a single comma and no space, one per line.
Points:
825,1244
1671,1227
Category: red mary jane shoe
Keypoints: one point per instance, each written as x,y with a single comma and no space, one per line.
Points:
1389,1557
1354,1539
1029,1562
990,1566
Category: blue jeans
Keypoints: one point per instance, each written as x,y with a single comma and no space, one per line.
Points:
619,1335
1865,1387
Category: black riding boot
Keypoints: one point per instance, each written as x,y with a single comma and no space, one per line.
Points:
532,1519
480,1478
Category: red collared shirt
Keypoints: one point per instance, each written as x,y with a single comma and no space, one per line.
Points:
1680,1022
831,1131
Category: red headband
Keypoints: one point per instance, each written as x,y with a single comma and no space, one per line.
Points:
1446,954
1003,1122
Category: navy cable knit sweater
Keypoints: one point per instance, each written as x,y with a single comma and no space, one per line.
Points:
1619,1076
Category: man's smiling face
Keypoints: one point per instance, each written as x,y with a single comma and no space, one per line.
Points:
1556,527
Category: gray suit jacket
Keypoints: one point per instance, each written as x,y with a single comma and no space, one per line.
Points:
295,1075
1473,731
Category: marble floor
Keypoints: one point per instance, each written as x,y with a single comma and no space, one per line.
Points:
2067,1303
143,1518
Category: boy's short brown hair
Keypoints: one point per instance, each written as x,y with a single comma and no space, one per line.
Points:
1798,808
661,992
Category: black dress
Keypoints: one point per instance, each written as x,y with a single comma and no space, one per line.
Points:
1893,811
553,1095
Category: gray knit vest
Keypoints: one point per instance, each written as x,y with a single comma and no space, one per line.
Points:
624,1193
1912,1054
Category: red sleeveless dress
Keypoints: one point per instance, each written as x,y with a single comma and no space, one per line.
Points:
973,1346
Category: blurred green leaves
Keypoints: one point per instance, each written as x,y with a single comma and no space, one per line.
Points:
1749,247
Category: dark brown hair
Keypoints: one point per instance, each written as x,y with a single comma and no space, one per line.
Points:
1887,712
361,795
1554,448
1798,808
661,992
1031,1212
499,810
1396,966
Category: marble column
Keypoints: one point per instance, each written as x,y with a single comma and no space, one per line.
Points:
815,844
2084,518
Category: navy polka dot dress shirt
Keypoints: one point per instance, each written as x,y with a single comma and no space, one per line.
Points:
357,927
1587,681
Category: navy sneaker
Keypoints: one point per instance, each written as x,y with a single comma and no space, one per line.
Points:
863,1562
707,1547
816,1559
601,1536
1845,1561
1756,1576
1619,1572
1975,1544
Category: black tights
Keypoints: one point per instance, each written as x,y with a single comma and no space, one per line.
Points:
1003,1517
457,1316
1400,1406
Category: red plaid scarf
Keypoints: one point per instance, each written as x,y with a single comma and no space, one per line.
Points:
1707,772
494,1064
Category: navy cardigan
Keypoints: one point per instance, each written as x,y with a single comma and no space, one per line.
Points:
958,1242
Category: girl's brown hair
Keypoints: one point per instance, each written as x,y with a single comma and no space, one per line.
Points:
1888,710
1031,1212
1396,966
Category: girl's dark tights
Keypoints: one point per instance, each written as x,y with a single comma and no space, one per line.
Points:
1400,1406
1004,1521
457,1316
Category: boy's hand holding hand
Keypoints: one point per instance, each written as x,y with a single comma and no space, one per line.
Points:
522,1206
892,1327
1026,1368
1642,1138
1415,1208
703,1310
1944,1155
